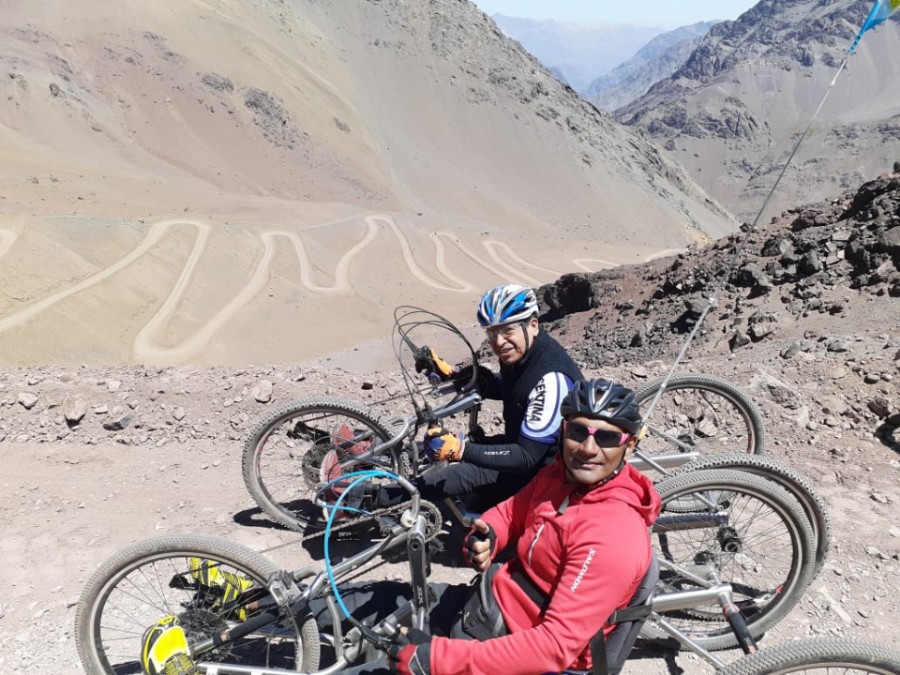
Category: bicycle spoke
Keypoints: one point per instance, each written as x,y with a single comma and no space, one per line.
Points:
744,530
203,593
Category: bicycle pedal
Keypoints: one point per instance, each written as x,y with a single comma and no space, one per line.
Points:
386,525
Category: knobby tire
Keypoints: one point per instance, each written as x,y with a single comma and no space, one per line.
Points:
283,453
794,482
761,543
133,589
821,656
715,417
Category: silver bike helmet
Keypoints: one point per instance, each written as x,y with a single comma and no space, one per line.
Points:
603,400
507,303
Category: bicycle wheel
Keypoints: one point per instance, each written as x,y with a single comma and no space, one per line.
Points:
162,577
794,482
283,456
700,413
822,656
749,533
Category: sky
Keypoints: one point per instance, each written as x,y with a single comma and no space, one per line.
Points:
661,13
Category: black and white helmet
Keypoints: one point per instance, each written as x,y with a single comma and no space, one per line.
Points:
507,303
604,400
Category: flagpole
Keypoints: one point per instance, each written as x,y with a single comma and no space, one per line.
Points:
879,13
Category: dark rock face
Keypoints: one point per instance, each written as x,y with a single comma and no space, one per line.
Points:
578,292
739,86
761,278
272,118
772,29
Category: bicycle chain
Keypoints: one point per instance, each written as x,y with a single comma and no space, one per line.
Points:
433,526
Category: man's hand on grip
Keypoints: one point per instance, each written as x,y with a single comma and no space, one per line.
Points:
479,545
428,362
411,653
444,446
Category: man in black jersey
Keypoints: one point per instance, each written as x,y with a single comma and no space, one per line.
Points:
535,374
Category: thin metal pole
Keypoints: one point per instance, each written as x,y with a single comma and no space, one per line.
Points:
739,250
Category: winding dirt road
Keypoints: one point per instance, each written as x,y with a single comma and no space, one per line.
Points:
499,259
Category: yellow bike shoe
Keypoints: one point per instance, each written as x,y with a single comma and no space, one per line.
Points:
219,587
165,649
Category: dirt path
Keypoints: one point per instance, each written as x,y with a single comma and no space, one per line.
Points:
151,345
66,508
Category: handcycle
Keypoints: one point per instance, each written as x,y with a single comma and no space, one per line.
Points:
241,614
282,460
776,548
283,455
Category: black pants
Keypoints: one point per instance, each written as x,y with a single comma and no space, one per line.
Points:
371,602
487,487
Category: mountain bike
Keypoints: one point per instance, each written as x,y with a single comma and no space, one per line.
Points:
712,528
795,483
283,456
744,530
240,613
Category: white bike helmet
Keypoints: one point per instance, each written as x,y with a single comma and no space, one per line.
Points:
507,303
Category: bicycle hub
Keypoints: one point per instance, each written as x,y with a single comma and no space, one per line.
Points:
729,540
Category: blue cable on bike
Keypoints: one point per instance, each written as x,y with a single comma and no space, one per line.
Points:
360,477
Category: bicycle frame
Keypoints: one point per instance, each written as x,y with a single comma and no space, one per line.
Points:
406,426
288,597
713,593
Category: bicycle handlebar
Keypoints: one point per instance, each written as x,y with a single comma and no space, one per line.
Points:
457,405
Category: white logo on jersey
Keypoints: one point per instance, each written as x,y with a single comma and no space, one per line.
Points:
536,405
584,569
542,419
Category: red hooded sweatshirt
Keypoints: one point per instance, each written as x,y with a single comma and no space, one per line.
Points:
588,548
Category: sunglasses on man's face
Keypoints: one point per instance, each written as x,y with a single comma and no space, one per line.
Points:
604,438
506,331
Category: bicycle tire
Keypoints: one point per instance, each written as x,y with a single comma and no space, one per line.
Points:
701,413
755,535
281,464
135,588
820,656
797,484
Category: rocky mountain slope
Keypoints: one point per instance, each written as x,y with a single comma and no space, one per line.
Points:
816,283
653,62
734,110
806,324
808,266
178,177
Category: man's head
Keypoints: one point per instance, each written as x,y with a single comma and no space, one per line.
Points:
509,315
601,425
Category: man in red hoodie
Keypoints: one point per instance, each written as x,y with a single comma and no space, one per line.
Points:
582,547
580,531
